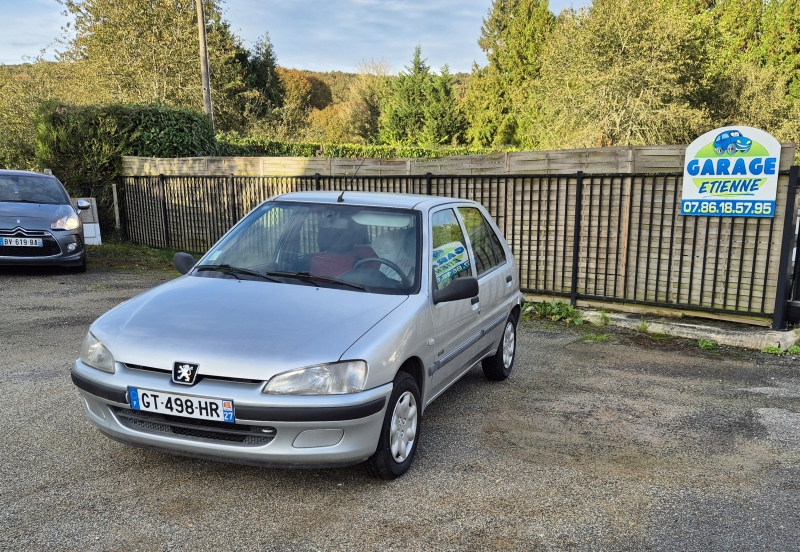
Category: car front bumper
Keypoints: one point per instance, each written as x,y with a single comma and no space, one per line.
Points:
59,254
309,431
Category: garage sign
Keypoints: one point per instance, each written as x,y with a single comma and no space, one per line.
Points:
731,172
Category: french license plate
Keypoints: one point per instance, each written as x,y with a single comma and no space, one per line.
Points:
200,408
21,242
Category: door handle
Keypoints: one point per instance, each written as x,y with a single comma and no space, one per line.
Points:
474,300
509,278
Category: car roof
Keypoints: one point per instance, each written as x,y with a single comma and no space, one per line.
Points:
376,199
8,172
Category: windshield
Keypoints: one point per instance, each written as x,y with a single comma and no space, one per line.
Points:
32,189
371,249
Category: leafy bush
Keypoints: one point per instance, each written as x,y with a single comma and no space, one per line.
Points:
233,145
772,350
706,344
558,310
84,145
793,350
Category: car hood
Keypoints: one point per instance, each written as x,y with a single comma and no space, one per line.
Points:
31,216
239,328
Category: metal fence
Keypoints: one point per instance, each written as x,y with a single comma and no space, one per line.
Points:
600,237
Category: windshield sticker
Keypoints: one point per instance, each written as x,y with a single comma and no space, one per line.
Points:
449,260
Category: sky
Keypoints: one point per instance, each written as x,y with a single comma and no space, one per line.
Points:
320,35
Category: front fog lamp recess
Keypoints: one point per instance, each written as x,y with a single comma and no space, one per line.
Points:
339,378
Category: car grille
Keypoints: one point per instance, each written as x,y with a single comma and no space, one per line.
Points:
49,247
200,377
150,422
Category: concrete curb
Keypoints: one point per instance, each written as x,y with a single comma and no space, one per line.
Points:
750,338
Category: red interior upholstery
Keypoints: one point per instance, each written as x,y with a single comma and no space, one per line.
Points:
331,264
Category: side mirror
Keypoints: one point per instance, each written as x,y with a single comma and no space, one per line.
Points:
463,288
83,205
184,262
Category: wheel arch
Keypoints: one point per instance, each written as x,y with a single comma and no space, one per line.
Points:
414,367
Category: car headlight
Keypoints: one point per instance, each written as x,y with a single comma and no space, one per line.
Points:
94,354
326,379
69,222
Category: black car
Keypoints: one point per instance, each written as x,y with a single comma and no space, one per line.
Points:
38,223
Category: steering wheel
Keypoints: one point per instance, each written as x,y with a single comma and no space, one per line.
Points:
403,278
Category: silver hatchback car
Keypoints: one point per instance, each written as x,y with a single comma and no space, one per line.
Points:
314,333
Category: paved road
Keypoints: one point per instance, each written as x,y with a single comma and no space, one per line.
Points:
624,444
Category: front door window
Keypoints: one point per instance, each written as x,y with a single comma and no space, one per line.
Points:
450,257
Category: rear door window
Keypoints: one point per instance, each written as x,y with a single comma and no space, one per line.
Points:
478,233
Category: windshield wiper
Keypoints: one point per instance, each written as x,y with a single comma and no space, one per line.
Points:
235,270
308,277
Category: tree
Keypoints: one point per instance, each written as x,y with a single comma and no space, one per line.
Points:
362,108
145,51
444,123
403,110
22,90
261,73
420,108
512,36
627,72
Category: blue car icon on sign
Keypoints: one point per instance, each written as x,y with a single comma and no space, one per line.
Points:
732,141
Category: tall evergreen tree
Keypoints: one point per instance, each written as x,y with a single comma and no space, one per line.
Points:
512,36
403,116
444,122
421,108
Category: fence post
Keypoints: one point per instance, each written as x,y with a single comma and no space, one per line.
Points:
116,205
576,240
163,185
316,181
234,207
428,183
782,293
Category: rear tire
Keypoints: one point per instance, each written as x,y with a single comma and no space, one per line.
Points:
400,432
499,366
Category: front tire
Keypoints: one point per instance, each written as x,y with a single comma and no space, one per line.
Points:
499,366
80,268
400,432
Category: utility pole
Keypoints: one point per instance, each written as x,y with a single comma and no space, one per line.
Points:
201,31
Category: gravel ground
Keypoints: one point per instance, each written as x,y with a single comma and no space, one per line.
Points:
601,439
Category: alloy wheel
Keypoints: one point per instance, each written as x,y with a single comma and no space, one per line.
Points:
404,427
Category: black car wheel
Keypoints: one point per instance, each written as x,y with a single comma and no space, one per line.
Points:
400,432
499,366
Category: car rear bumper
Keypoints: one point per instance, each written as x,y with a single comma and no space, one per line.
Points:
281,431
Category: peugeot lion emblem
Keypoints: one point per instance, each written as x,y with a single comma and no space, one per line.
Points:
184,373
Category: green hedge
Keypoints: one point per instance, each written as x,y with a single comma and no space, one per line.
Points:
234,145
84,145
